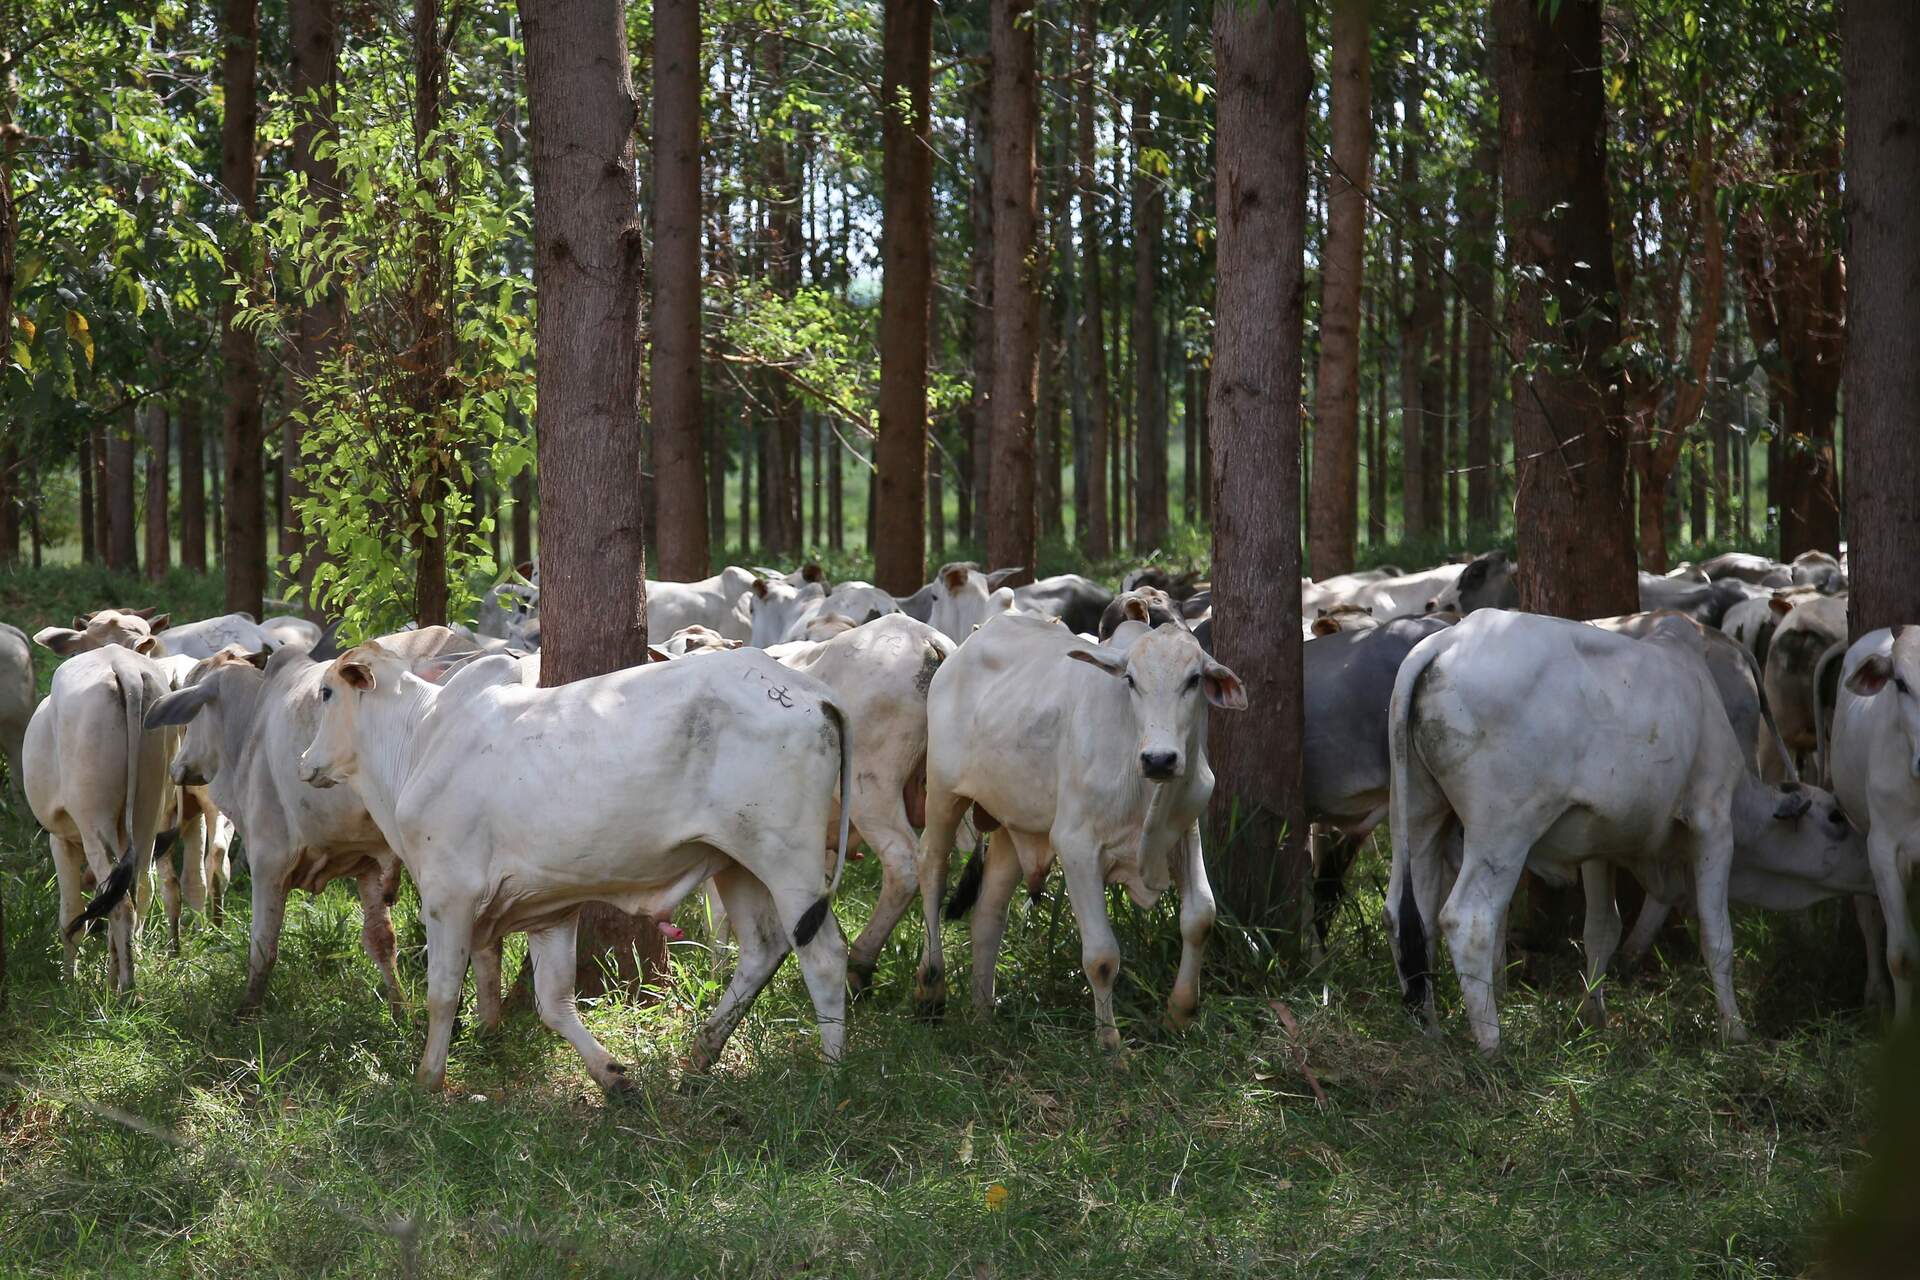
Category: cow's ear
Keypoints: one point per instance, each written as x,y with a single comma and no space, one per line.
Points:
1111,661
954,576
1136,609
262,657
178,708
357,675
144,613
159,622
60,639
1474,574
80,621
150,646
999,576
658,655
1223,688
1793,805
812,572
760,588
1324,626
1194,606
1868,679
1780,605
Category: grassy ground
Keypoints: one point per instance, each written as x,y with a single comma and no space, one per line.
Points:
293,1142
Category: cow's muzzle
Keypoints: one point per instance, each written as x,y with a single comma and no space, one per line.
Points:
1158,766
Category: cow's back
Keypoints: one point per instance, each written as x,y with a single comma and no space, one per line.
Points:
77,762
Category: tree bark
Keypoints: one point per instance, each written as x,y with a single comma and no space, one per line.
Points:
1258,844
906,258
244,552
159,535
679,464
1417,326
1333,508
314,33
588,245
1093,340
123,534
1011,540
193,486
428,312
977,473
1483,200
1881,60
1573,509
1149,441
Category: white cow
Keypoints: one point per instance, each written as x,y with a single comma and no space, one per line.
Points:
1876,774
97,782
18,693
284,629
1409,593
246,728
714,602
782,612
1094,753
512,806
1556,745
127,628
962,598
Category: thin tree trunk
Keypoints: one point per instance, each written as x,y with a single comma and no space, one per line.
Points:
588,242
1377,458
1483,200
123,534
979,443
1149,442
159,534
679,464
193,487
1573,510
1455,340
1011,538
747,481
244,549
433,337
313,29
1416,327
1189,442
1093,340
1263,75
906,256
88,459
1881,58
1333,508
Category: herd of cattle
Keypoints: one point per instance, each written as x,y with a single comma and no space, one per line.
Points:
783,717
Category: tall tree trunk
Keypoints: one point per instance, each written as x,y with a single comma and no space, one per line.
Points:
1333,508
977,473
193,486
123,534
87,458
313,28
1259,845
159,534
433,337
906,257
1573,509
1416,325
1011,539
588,242
1093,338
780,515
1149,441
1451,418
244,549
1377,457
679,464
1483,200
10,460
1881,57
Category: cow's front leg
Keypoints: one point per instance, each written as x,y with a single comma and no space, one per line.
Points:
269,913
377,888
1873,932
1602,936
1099,949
1890,878
551,953
763,945
1713,866
449,943
1196,923
487,1006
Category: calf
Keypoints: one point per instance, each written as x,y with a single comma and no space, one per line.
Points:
96,781
1876,774
1092,753
512,806
245,729
1557,746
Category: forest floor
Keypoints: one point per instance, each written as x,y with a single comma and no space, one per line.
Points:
293,1142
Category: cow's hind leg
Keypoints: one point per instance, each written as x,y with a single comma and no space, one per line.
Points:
449,944
892,842
70,870
1646,927
1602,936
763,944
1196,924
551,953
219,865
487,1007
1471,921
377,885
167,854
195,830
988,923
944,810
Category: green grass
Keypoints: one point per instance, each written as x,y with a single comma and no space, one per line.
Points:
300,1147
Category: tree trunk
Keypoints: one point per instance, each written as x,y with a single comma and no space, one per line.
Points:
123,534
159,534
244,550
193,486
1483,200
1573,509
1881,44
978,472
1377,457
427,306
1093,339
1149,442
1450,417
314,34
679,464
906,257
1258,832
1416,330
1333,508
588,242
1011,540
10,460
780,469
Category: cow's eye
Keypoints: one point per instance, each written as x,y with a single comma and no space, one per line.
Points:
326,693
1193,682
1900,683
1128,677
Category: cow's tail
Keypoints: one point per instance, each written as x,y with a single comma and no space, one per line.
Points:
966,890
1409,773
134,702
816,915
1829,662
1766,715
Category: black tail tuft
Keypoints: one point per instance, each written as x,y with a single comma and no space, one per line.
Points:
109,895
810,921
1413,948
967,891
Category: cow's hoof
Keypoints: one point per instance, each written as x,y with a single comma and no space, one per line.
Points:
1593,1015
1735,1033
1181,1016
431,1081
859,979
619,1089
